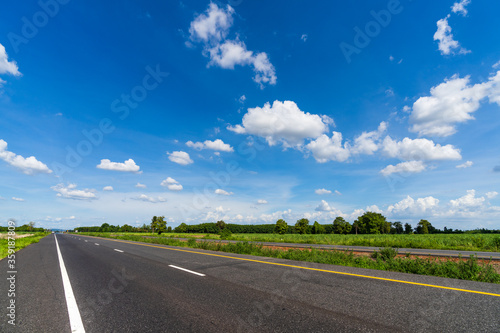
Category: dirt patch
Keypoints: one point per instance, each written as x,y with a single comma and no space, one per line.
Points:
16,236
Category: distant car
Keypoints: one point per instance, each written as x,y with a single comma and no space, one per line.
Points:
52,232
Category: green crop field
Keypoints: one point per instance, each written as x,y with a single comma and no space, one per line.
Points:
23,239
460,242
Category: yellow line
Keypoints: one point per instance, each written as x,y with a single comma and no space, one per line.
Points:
301,267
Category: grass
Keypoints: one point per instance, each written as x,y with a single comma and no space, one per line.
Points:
385,259
459,242
21,243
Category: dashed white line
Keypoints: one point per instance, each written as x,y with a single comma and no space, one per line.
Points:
96,244
118,250
75,319
186,270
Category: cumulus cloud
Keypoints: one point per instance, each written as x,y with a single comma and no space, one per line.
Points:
107,188
404,167
326,149
467,164
212,28
28,165
146,198
491,195
323,207
459,7
127,166
450,103
180,157
261,202
367,143
6,66
447,45
419,150
281,122
322,191
468,201
70,192
171,184
139,185
222,192
217,145
413,207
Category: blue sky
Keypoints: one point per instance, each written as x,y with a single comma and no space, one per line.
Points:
248,112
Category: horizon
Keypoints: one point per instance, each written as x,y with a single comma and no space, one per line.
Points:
220,110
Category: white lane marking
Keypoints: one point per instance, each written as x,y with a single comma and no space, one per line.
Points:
118,250
75,320
186,270
96,244
85,241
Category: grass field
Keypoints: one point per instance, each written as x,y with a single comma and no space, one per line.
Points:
385,259
22,240
460,242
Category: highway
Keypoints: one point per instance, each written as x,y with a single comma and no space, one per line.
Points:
122,286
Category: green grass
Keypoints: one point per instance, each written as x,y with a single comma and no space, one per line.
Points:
459,242
468,269
21,243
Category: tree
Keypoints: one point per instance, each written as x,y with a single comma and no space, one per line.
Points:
31,225
301,226
341,226
281,227
397,228
408,228
318,228
158,224
424,227
104,227
371,223
221,225
181,228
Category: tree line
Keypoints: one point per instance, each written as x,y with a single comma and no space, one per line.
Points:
368,223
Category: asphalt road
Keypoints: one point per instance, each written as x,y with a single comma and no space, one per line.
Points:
370,249
137,287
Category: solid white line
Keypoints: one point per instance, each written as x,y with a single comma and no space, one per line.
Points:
186,270
118,250
75,320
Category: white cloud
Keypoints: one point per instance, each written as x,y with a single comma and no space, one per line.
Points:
128,166
180,157
28,165
491,195
139,185
144,197
172,184
211,28
222,192
326,149
217,145
450,103
337,192
467,201
367,142
261,202
107,188
496,65
414,207
404,167
6,66
304,37
322,191
459,7
446,43
242,99
17,199
391,58
419,150
282,122
467,164
323,207
70,192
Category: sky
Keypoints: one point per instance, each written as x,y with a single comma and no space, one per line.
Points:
116,111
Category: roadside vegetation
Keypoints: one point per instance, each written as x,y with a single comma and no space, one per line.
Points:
23,239
384,259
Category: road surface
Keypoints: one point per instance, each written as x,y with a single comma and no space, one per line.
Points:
122,286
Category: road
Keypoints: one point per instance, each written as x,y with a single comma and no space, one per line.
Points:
370,249
122,286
